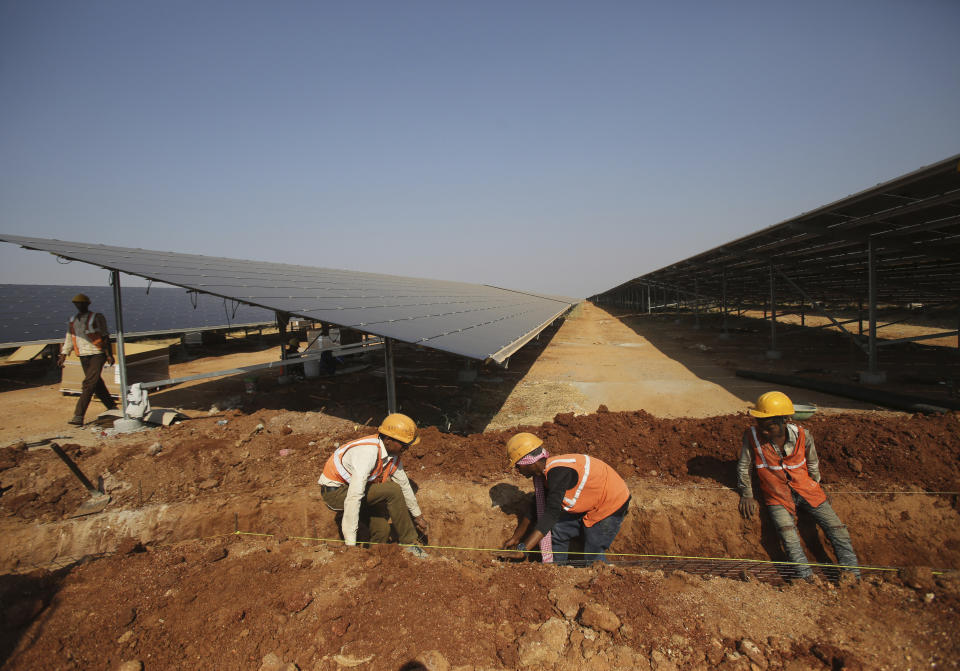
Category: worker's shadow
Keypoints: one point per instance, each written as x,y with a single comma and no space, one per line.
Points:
511,500
723,471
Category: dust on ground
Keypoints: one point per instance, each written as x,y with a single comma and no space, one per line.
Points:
161,579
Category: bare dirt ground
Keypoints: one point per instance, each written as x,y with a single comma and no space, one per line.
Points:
161,580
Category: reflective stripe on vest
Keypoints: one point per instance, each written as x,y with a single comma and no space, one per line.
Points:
570,502
599,491
96,342
763,461
382,471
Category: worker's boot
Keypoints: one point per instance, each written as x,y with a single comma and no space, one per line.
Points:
416,551
76,421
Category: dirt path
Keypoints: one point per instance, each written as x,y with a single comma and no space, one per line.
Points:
597,359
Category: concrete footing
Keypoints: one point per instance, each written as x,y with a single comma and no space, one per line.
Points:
876,377
128,425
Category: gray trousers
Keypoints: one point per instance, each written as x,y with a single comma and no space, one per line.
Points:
825,517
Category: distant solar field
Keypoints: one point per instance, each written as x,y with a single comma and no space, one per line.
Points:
37,313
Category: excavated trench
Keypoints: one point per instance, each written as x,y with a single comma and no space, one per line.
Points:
665,523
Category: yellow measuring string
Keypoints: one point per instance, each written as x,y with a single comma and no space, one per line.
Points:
609,554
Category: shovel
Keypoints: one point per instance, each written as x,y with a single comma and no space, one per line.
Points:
98,498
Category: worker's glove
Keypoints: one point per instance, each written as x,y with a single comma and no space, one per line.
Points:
748,507
421,524
61,360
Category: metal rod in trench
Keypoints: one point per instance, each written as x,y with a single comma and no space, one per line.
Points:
76,469
121,358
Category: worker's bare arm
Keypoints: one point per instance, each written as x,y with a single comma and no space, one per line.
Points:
523,526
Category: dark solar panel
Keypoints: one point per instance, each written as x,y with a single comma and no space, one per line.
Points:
34,312
472,320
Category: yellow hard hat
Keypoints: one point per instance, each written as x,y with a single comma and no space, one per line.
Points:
773,404
80,298
400,427
520,446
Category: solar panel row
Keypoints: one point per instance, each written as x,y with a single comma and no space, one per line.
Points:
475,321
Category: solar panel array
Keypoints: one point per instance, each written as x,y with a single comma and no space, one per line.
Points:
476,321
912,222
37,313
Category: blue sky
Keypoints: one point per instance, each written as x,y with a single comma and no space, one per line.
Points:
561,147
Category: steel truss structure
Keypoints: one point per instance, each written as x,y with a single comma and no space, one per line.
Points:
895,244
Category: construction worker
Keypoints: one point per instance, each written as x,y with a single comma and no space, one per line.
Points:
365,479
87,334
785,457
575,494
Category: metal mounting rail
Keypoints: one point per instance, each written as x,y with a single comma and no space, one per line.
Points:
312,355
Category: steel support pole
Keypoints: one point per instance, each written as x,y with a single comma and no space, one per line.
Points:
773,353
390,375
696,303
121,358
650,305
872,298
723,303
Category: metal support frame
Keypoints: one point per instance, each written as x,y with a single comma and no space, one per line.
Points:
121,357
872,306
391,375
649,303
696,303
773,352
873,375
826,314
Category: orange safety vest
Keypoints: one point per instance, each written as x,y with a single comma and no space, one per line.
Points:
95,338
335,470
779,476
599,491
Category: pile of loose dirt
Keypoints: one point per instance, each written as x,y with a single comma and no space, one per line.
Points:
245,604
238,453
232,601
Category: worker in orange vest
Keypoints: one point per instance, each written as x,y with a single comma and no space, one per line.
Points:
575,495
788,469
365,479
87,335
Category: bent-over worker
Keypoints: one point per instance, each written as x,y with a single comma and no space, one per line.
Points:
364,478
787,466
87,334
576,495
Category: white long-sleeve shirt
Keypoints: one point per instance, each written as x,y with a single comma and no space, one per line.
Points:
84,326
360,461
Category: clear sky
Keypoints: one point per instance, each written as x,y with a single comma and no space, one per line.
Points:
561,147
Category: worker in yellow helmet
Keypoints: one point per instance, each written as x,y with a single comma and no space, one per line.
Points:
87,335
575,494
788,469
365,479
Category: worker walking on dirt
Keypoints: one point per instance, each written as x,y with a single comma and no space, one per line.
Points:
575,495
87,334
365,479
787,466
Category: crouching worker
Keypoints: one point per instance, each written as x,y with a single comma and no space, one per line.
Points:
576,495
789,473
365,479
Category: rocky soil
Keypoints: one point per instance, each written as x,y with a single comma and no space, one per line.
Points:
159,580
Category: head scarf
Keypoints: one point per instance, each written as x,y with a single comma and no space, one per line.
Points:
540,493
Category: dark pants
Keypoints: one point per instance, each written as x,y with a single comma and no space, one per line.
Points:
596,539
92,384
